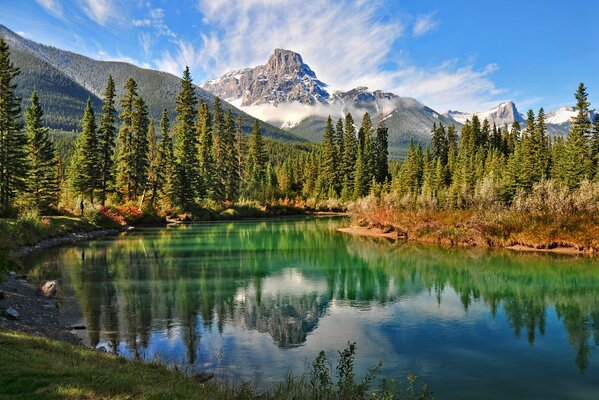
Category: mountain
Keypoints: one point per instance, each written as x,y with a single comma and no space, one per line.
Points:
65,80
287,93
557,121
503,113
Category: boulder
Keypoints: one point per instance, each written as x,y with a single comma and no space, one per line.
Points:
11,313
48,289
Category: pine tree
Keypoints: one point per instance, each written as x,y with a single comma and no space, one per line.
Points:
576,161
205,161
232,178
382,153
328,167
166,172
13,159
186,142
125,143
42,179
256,161
218,153
439,143
106,139
85,172
139,128
350,150
154,173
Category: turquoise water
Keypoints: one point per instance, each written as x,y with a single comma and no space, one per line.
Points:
255,300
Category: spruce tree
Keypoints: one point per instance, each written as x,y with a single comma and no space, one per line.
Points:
576,161
167,171
106,140
125,143
219,155
85,172
328,167
205,160
350,150
232,178
42,179
256,161
139,128
186,141
154,173
595,148
382,153
13,159
439,143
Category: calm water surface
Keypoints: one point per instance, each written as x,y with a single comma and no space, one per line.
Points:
254,300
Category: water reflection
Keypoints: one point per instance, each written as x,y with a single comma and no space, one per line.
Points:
282,278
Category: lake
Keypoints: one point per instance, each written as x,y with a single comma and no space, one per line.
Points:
254,300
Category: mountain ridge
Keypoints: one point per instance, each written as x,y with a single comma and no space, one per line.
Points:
159,89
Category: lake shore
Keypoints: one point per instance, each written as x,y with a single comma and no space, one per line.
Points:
467,238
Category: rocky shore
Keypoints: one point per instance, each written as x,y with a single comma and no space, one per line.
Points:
36,311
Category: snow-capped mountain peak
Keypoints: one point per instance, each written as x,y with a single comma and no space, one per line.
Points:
503,113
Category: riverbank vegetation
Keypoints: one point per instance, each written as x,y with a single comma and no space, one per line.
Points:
37,368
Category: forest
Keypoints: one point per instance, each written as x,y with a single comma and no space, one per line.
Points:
202,160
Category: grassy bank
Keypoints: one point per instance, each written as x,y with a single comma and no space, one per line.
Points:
494,226
38,368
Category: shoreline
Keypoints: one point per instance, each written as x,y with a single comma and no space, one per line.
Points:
393,234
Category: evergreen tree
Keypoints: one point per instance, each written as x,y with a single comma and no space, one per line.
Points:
154,173
13,159
205,161
186,141
139,129
166,172
85,171
106,139
328,167
576,161
231,170
126,144
350,150
219,155
256,161
595,149
42,179
382,153
439,143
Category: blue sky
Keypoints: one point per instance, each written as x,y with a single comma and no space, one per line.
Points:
465,55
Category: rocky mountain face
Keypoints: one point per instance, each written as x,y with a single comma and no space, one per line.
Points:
503,113
286,92
284,78
557,121
65,80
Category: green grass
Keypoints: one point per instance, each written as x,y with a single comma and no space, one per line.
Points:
38,368
29,230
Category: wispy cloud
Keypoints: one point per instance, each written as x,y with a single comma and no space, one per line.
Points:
342,41
425,24
99,11
54,7
449,85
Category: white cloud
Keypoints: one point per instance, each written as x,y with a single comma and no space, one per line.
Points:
145,40
99,11
54,7
343,41
463,88
424,24
186,55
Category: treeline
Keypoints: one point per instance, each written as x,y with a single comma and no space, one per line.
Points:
496,165
199,159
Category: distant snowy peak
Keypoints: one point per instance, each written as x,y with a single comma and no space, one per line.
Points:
560,116
284,78
503,113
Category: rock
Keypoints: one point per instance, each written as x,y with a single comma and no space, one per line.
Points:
48,289
11,313
12,274
202,377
